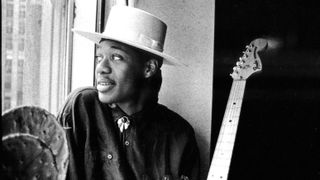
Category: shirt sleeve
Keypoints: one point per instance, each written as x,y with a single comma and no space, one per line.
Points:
74,132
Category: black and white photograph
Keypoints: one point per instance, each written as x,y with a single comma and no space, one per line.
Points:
160,90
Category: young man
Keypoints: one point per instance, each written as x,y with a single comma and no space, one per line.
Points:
117,130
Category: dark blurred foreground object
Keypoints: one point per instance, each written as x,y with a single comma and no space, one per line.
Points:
34,145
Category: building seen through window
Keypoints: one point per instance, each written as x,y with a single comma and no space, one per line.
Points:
28,44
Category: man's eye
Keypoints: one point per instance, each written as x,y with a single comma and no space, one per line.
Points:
98,59
116,57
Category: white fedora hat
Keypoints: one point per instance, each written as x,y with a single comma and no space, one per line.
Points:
136,28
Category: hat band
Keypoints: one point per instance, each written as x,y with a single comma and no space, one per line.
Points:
150,43
137,38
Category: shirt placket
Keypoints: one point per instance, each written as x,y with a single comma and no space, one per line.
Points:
124,127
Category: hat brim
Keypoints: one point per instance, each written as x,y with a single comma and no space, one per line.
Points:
96,38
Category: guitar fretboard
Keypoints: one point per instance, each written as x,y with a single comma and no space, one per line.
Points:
223,151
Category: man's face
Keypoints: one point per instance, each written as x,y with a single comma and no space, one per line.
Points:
119,73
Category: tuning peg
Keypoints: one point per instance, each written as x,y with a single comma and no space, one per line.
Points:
242,59
239,63
245,53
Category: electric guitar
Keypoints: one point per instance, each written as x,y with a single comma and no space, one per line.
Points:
248,64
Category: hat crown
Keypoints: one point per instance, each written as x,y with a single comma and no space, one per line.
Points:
136,26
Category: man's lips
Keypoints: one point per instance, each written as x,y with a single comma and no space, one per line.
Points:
104,85
105,80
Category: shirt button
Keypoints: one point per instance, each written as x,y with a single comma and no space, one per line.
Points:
127,143
166,178
109,156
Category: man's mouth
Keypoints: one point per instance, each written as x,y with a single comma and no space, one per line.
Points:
105,85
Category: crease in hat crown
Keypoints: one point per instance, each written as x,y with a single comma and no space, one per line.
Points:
134,27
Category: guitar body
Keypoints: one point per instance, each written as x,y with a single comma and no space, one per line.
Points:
248,64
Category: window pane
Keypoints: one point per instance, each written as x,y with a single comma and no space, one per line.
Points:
9,27
22,11
33,52
21,27
9,41
21,44
9,10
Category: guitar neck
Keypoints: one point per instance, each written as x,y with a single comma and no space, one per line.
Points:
223,152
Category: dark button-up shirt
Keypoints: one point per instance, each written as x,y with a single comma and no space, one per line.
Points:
158,144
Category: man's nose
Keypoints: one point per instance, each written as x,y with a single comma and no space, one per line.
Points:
103,67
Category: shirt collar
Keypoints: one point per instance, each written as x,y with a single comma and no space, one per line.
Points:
117,112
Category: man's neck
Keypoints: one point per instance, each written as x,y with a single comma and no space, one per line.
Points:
137,105
130,109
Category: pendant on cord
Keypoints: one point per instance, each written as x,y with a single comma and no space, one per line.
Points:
123,123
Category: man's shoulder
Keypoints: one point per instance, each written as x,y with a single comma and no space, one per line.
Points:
85,95
84,92
79,104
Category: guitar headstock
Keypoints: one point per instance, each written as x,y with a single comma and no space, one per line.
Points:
250,61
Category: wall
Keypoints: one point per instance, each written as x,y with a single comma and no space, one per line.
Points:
188,90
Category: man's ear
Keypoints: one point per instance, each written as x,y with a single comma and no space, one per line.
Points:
151,68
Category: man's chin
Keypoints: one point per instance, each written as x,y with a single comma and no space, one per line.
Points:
105,98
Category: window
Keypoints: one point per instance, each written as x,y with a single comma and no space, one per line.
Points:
8,66
20,66
19,97
22,11
20,63
9,41
9,10
83,50
37,75
21,44
7,103
9,26
21,27
7,85
9,29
